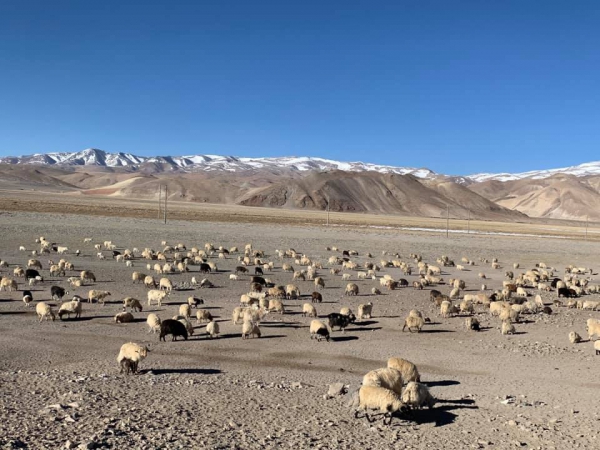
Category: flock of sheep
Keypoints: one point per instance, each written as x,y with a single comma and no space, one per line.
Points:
388,389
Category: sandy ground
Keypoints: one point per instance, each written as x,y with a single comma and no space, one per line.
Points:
61,387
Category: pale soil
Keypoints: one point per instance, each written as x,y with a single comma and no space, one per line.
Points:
268,393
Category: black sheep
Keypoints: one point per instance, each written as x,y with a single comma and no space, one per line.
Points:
340,320
205,268
58,293
316,297
31,273
258,271
174,328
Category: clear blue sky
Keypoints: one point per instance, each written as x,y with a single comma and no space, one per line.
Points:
458,87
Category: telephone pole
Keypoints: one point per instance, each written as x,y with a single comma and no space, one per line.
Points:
166,194
159,199
447,220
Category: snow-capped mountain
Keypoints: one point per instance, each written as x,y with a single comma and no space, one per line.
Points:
196,163
581,170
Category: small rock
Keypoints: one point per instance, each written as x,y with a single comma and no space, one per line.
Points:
336,389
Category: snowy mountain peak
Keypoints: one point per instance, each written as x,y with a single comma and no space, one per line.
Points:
581,170
197,163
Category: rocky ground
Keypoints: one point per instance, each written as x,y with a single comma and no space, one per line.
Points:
61,387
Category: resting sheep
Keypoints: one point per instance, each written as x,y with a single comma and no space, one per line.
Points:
124,317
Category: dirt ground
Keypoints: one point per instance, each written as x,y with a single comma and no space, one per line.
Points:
61,388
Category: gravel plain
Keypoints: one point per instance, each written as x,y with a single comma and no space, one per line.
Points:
61,386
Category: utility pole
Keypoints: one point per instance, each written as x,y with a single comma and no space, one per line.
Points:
327,211
586,226
447,220
166,194
469,223
159,199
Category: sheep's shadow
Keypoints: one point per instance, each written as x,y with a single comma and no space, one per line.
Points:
13,313
366,322
344,338
436,331
440,415
180,371
282,325
442,383
364,329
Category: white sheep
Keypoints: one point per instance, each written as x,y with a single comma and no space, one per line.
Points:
416,395
387,377
44,311
132,352
309,310
203,315
133,303
212,329
276,305
250,329
413,323
156,296
237,314
574,338
68,308
365,311
153,322
593,328
407,369
99,296
124,317
378,398
507,327
165,284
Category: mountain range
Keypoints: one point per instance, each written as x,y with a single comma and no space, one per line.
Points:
313,183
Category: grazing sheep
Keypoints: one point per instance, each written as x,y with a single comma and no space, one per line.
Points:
378,398
574,338
174,328
316,297
132,303
375,291
254,314
351,289
408,370
388,378
68,308
319,330
34,264
309,309
233,277
194,301
57,293
153,322
44,311
99,296
276,305
365,311
27,298
250,329
19,272
508,327
593,328
509,314
417,396
165,284
413,323
238,314
455,293
340,320
185,310
447,309
149,282
157,296
203,315
87,275
319,283
8,285
138,277
134,353
205,283
124,317
597,347
212,329
466,307
472,324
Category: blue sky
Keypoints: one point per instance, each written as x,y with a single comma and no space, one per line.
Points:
459,87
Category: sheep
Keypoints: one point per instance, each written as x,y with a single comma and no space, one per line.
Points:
507,327
319,330
316,297
375,291
365,311
8,284
44,310
416,395
589,304
99,296
340,320
74,282
58,293
378,398
203,315
34,264
134,353
292,292
133,303
408,370
165,284
250,329
509,314
319,283
185,310
521,292
466,307
351,289
309,309
123,317
574,338
455,293
447,309
237,314
413,323
276,305
194,301
459,284
87,275
593,328
19,271
138,277
254,314
174,328
157,296
388,378
233,277
68,308
205,283
27,298
597,346
472,324
212,329
345,311
153,322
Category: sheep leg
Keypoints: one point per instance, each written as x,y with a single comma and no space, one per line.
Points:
389,415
